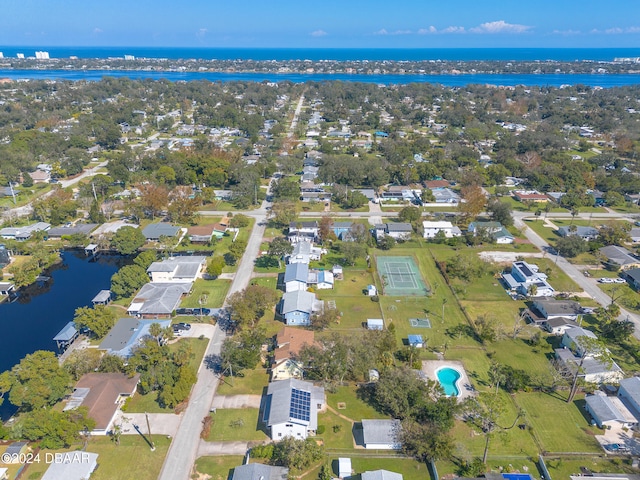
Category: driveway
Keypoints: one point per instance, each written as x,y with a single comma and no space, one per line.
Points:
237,401
222,448
160,423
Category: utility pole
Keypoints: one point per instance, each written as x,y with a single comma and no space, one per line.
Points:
153,445
93,186
13,193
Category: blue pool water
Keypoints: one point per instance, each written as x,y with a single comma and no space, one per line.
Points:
448,377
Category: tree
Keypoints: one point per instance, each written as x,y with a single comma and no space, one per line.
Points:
484,412
351,251
473,202
614,233
128,280
279,248
284,212
242,351
239,221
402,394
250,304
325,229
146,258
83,361
38,381
153,199
571,246
354,199
127,240
99,319
587,347
215,266
409,214
54,429
237,248
425,441
386,242
324,318
500,212
618,331
295,453
183,205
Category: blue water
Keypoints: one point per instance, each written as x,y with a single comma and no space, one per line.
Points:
551,80
398,54
31,322
448,378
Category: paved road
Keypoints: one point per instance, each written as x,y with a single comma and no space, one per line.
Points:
26,210
589,285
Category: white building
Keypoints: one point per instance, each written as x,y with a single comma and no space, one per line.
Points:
381,434
177,269
526,279
431,229
291,408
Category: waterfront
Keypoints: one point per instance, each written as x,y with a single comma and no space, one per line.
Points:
31,322
450,80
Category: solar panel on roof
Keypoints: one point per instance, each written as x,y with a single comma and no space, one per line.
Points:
300,407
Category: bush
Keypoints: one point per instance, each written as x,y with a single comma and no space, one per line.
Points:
321,429
262,451
375,298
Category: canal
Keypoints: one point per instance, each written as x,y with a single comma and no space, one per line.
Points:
30,322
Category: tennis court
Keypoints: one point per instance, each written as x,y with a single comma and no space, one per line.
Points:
400,276
420,322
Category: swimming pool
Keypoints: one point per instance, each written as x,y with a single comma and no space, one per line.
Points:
448,378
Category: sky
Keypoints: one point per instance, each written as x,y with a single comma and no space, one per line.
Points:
322,24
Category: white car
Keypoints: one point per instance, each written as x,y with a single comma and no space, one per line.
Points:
606,280
619,280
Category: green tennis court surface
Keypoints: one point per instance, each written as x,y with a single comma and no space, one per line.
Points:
420,322
400,276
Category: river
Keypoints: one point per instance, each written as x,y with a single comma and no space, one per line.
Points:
31,322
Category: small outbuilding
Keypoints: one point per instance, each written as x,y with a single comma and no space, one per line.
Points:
416,341
381,434
344,467
371,290
375,324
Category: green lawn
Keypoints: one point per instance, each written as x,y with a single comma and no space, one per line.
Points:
251,383
495,463
338,431
559,426
352,407
212,292
218,468
563,467
131,460
518,354
239,424
410,469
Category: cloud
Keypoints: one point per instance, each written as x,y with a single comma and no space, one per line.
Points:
384,31
500,26
567,33
318,33
427,31
453,29
618,30
202,33
97,31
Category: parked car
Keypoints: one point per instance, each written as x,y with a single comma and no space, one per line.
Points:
184,311
605,280
179,328
587,310
200,311
619,280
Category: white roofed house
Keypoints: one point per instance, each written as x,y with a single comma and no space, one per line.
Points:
398,231
320,279
555,316
381,434
608,412
431,229
177,269
495,230
291,408
629,393
304,252
526,279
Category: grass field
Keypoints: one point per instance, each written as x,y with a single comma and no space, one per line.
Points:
238,424
218,468
131,460
214,291
351,406
251,383
559,426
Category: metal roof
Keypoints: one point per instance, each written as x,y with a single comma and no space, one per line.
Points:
258,471
296,272
300,300
156,230
380,431
381,475
294,401
67,333
128,333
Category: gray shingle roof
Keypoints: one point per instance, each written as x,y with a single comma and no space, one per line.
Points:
258,471
619,255
127,333
603,408
300,300
380,431
154,231
296,272
632,386
160,298
381,475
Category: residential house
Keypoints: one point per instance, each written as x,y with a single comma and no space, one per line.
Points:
303,232
76,465
381,434
342,230
298,306
634,235
436,184
102,298
40,176
431,229
370,193
158,300
304,252
177,269
77,229
594,369
530,196
380,475
555,316
629,393
154,231
321,279
398,193
446,195
295,277
102,394
495,230
291,408
620,256
632,276
127,334
398,230
608,412
526,279
7,288
24,233
288,344
201,233
586,233
259,471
